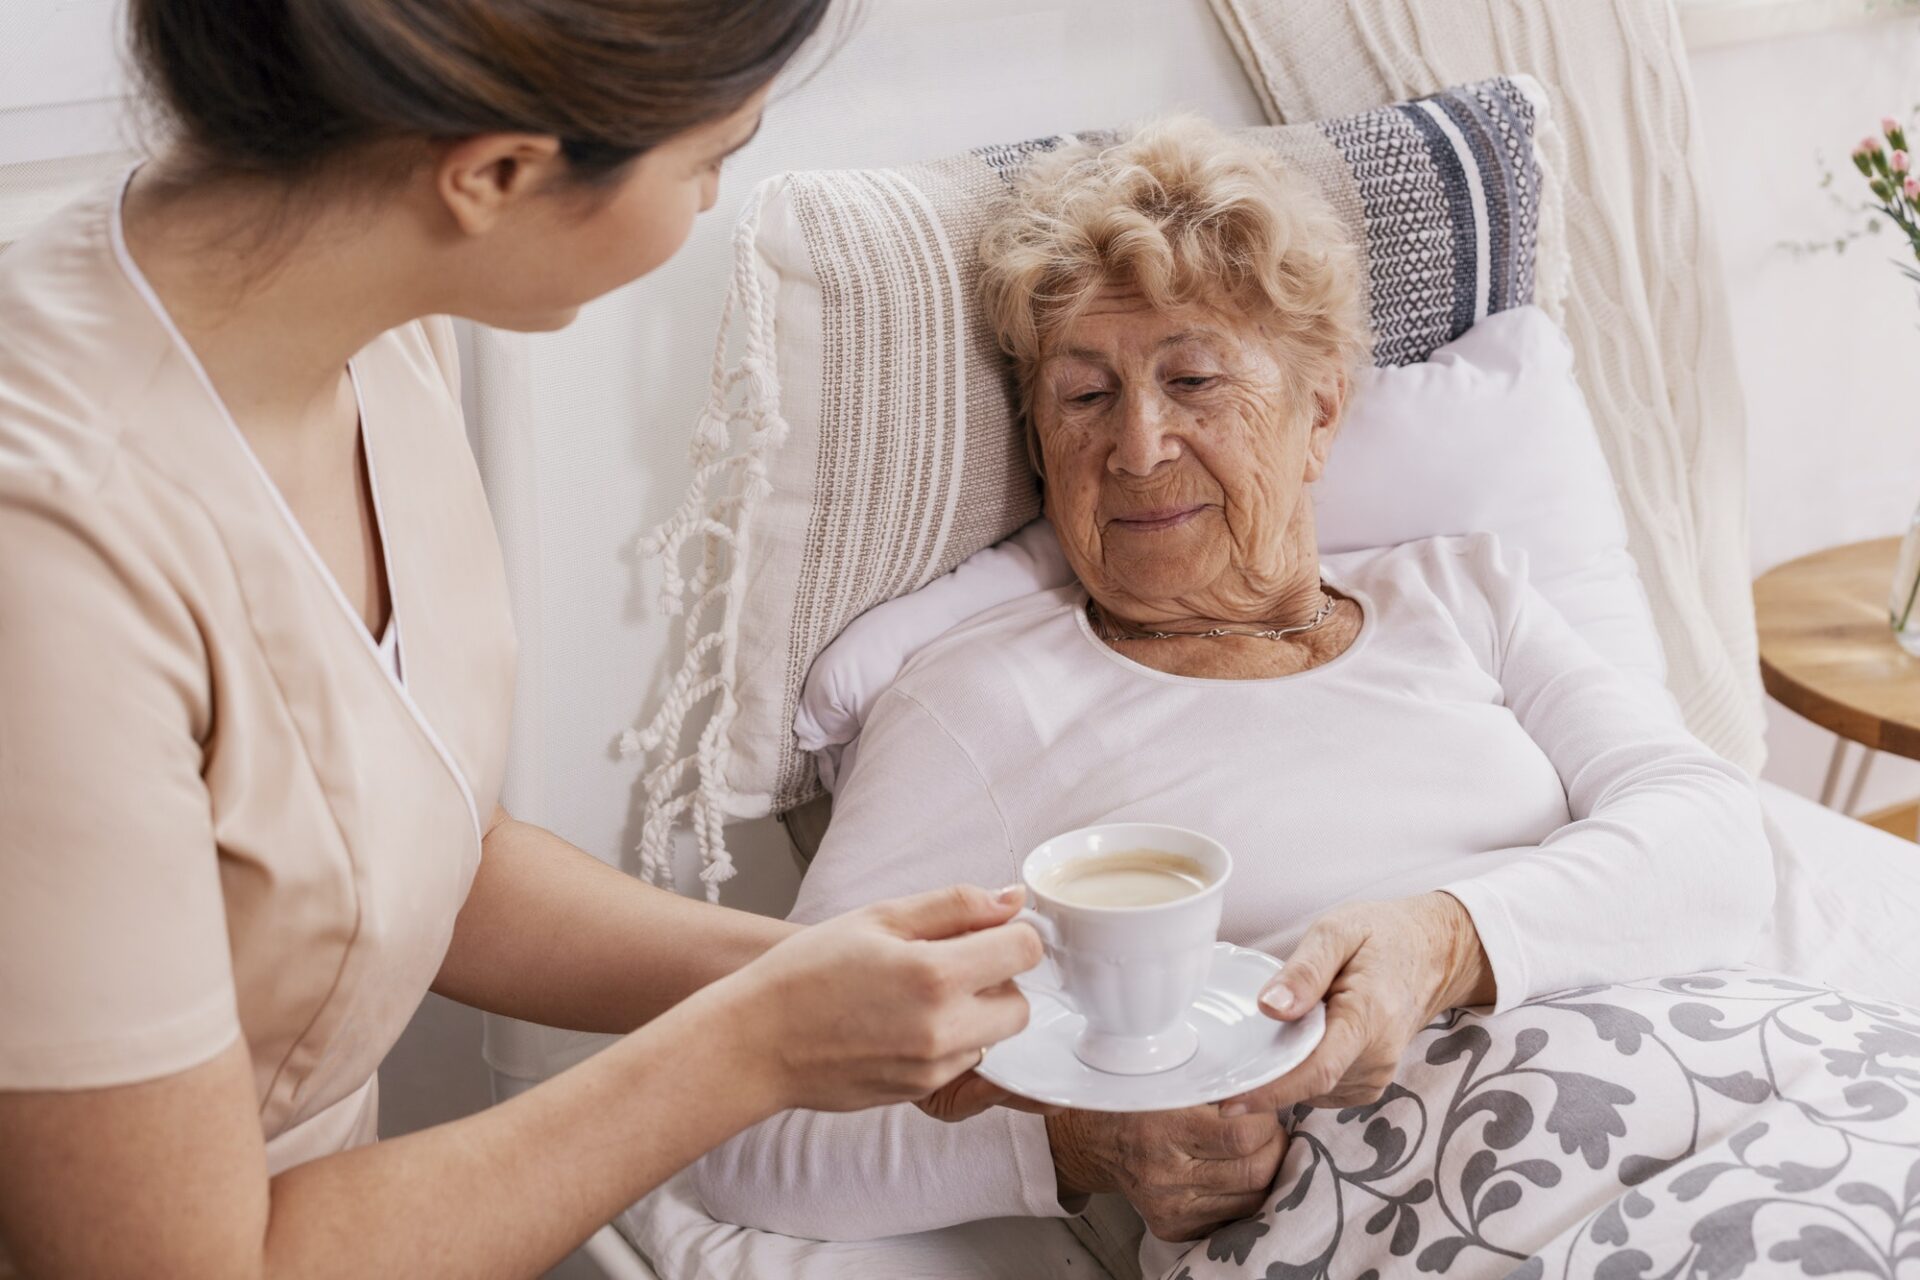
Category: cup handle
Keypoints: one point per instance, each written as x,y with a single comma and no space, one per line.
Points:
1043,978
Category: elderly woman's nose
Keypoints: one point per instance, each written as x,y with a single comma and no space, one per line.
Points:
1144,437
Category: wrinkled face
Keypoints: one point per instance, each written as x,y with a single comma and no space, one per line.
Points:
1176,463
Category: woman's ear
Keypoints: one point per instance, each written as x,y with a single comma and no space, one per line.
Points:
1329,411
480,179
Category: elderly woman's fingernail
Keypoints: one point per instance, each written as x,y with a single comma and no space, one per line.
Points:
1010,894
1232,1109
1276,1000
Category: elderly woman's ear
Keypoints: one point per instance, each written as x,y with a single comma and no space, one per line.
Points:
1330,411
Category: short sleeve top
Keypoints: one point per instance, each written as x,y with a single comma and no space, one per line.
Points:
221,812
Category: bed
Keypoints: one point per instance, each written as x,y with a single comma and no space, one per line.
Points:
1850,897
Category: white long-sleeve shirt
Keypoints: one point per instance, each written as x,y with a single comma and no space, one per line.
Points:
1468,739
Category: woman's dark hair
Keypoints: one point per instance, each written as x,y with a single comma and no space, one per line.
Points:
281,87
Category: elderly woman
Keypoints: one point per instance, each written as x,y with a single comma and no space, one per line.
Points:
1436,793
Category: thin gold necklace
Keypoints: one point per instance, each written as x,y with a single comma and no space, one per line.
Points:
1097,618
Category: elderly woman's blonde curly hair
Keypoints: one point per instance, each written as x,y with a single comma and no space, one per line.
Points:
1185,213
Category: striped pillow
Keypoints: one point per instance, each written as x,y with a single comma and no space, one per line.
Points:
863,440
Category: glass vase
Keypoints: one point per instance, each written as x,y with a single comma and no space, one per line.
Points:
1903,601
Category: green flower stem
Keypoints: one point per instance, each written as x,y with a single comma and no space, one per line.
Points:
1900,627
1895,211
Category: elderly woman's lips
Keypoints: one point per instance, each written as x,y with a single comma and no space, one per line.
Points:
1153,521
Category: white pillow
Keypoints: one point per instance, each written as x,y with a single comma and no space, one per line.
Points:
865,658
1490,435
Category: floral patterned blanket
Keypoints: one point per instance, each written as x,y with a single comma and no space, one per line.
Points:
1720,1125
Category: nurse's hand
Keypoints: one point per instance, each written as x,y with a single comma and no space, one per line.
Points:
973,1093
889,1003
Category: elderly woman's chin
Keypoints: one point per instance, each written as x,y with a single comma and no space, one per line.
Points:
1164,559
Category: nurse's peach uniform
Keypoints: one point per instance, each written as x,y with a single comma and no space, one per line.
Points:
222,811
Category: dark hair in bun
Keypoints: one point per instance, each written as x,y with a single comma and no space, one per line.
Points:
281,87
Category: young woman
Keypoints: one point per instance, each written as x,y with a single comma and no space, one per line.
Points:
255,664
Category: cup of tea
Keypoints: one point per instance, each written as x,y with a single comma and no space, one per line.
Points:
1129,912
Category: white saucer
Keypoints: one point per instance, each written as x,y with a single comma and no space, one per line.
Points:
1241,1048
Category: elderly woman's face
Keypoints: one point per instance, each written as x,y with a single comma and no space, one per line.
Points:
1176,465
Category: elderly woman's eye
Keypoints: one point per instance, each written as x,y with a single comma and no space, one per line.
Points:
1086,397
1193,381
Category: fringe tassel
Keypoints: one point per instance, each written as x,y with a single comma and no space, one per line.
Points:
738,430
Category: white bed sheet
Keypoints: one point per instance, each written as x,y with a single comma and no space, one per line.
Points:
1847,913
1847,910
677,1238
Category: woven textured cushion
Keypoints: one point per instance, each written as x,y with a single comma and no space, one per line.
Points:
1646,307
862,441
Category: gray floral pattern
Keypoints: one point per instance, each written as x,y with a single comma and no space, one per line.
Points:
1708,1127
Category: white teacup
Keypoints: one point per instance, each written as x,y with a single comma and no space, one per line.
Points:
1131,972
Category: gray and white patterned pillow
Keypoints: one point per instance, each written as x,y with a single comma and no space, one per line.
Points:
1720,1125
864,442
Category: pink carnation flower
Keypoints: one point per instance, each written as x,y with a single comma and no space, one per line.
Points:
1888,124
1898,162
1867,146
1912,187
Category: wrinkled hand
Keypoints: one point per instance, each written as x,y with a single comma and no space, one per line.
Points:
1186,1171
1386,970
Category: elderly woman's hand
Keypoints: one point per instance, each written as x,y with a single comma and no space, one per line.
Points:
1186,1171
1386,969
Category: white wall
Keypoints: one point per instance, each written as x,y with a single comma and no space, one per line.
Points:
61,79
1827,344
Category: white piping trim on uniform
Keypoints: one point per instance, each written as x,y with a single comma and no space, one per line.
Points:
388,644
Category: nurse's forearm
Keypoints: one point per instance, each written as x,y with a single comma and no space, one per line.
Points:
167,1177
879,1006
509,1191
551,934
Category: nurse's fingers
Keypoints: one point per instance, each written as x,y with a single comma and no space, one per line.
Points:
963,1099
975,1024
1014,1102
946,913
971,1094
989,957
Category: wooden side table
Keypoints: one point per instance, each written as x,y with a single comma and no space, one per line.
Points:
1827,652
